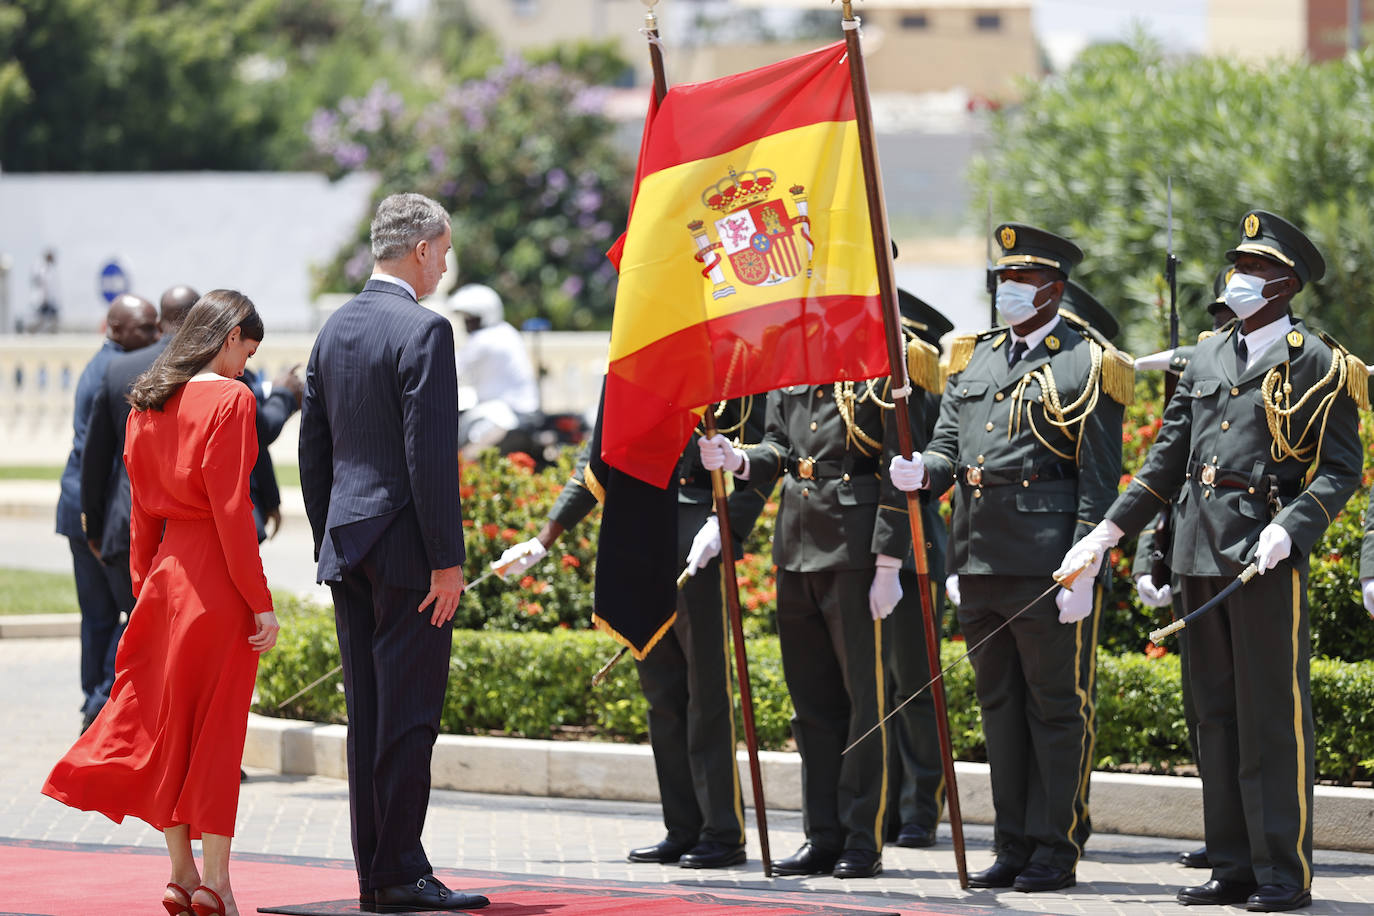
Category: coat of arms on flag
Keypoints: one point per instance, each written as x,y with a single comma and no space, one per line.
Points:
757,233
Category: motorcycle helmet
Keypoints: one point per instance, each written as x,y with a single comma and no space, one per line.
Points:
477,301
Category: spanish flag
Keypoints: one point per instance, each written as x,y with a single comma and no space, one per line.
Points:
748,262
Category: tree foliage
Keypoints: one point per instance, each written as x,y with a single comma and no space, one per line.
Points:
524,161
1089,155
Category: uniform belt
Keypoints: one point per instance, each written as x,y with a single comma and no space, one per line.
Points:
975,475
1255,482
814,469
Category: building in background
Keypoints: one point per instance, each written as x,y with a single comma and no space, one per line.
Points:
1258,30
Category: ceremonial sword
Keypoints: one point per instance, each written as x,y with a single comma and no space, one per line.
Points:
1065,581
1245,576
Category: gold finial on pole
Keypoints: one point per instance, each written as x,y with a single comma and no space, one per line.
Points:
846,9
650,20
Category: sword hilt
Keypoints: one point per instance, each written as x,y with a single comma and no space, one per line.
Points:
1067,579
1157,635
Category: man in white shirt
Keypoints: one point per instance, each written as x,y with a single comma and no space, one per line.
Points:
495,364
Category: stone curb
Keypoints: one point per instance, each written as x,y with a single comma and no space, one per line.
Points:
1167,806
35,626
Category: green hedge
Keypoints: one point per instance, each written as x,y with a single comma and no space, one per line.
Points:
538,685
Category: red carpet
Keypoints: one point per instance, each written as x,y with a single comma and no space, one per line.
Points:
70,879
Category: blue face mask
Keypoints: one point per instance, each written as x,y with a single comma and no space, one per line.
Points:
1016,301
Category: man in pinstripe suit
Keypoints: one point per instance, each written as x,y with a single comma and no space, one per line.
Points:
379,474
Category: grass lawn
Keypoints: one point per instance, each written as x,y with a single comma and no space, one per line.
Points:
30,472
23,591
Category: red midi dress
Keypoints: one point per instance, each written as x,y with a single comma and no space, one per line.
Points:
167,746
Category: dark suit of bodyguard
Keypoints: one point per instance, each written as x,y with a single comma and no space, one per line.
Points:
1259,455
379,475
1032,445
829,444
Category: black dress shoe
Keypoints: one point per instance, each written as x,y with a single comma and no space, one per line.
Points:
1195,859
858,863
1037,878
914,836
999,874
710,854
806,861
1275,898
1218,891
665,852
425,895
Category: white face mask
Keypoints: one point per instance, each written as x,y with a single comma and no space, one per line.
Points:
1016,301
1245,294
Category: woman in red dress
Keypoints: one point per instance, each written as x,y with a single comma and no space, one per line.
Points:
167,746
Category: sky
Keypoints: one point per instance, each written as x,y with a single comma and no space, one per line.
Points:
1066,26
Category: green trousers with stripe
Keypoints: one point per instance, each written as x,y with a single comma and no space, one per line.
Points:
1249,663
832,660
1036,686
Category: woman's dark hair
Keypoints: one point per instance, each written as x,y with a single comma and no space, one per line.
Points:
197,341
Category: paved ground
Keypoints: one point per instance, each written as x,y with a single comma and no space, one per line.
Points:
308,816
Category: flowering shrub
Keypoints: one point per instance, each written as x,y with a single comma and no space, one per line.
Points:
523,161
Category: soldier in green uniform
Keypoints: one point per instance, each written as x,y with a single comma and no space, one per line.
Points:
1029,434
685,677
1259,449
916,778
839,540
1154,584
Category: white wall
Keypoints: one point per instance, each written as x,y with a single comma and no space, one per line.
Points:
258,232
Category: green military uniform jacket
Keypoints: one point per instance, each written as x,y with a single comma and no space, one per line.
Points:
838,507
1034,448
1217,451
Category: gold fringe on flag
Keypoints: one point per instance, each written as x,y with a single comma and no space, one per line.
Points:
610,631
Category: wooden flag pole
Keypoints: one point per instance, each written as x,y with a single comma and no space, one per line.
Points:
887,288
727,546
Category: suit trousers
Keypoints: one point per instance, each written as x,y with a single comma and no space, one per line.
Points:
832,661
916,790
1036,686
1250,668
97,595
395,669
686,679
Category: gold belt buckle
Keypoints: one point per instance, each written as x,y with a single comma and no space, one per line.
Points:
806,468
1209,474
973,476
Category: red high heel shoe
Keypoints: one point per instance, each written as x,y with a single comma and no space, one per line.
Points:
173,907
203,910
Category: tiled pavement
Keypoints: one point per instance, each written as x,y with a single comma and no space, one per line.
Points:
308,816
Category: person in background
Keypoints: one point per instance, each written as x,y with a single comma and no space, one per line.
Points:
130,324
44,295
275,407
495,363
167,746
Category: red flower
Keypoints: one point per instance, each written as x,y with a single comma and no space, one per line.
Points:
527,582
533,607
490,530
1154,651
570,562
509,534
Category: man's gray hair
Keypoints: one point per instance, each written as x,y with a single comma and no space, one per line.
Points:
404,221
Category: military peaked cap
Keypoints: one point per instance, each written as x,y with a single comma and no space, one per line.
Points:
1026,247
922,318
1082,303
1273,237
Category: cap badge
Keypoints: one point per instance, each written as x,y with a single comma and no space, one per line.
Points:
1052,342
1252,226
1007,237
1295,338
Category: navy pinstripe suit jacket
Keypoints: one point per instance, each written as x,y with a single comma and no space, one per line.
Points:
379,440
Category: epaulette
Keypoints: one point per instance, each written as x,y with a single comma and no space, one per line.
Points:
1118,368
961,351
1203,335
1356,372
923,366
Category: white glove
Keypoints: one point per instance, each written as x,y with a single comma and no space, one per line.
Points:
886,589
907,474
1274,544
1074,604
1367,588
704,546
519,558
952,588
718,454
1151,596
1087,554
